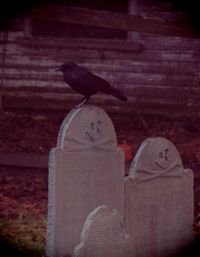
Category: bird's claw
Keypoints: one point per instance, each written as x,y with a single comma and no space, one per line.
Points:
85,100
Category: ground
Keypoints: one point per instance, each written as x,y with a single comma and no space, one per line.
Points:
24,191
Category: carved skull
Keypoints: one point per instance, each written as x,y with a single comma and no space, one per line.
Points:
94,131
163,159
93,128
162,156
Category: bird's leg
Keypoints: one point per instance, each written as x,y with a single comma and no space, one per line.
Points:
84,101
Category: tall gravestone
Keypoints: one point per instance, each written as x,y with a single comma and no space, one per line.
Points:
103,235
159,200
86,170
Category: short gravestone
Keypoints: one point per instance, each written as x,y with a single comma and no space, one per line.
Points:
159,200
86,170
103,235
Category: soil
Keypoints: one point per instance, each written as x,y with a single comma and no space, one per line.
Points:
24,191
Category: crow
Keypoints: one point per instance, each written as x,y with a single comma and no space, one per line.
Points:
86,83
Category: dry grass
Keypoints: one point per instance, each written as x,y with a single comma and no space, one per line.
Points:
22,237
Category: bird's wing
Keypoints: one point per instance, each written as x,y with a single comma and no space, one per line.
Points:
102,84
80,72
83,81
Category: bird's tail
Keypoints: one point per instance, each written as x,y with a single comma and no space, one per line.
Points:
117,93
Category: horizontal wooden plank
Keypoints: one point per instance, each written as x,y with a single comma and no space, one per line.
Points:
26,160
173,93
44,100
59,108
191,56
121,112
53,101
185,115
160,42
126,87
130,77
147,40
33,51
169,16
117,78
14,66
99,44
58,104
157,6
150,90
106,19
185,97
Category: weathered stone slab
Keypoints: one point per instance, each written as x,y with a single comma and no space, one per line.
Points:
159,200
86,170
103,235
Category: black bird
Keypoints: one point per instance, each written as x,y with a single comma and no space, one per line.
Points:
86,83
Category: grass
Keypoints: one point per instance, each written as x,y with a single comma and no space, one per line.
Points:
22,237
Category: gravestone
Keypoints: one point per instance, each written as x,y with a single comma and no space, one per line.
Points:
159,200
103,235
86,170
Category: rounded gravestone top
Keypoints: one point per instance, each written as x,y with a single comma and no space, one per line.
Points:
103,234
156,157
88,127
102,227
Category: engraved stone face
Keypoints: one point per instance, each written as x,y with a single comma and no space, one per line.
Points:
157,157
89,128
162,157
93,127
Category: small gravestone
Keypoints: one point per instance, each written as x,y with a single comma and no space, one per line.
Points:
159,200
103,235
86,170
